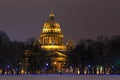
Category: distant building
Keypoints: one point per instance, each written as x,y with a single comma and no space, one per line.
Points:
51,40
51,37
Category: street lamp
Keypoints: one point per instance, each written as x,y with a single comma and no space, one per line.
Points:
8,66
46,64
89,69
47,67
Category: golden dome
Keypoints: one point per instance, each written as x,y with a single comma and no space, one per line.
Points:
51,37
51,25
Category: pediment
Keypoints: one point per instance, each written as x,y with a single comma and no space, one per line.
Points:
57,54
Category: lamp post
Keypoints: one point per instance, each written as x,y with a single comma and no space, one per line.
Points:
8,68
89,69
47,68
55,69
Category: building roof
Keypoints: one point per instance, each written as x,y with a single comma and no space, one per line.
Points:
57,54
51,25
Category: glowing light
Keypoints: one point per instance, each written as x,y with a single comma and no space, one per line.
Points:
0,71
55,63
113,66
51,14
8,66
99,69
53,47
51,36
78,71
54,25
51,30
59,59
89,66
85,71
22,71
46,64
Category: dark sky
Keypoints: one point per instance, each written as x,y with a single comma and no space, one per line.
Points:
79,19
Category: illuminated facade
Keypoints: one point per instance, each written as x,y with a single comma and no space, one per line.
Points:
51,37
51,40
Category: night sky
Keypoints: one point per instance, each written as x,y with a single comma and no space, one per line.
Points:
79,19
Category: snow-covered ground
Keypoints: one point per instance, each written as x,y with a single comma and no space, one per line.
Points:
60,77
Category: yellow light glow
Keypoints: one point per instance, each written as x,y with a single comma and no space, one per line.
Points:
78,71
54,62
51,30
51,37
59,59
53,47
51,14
0,71
101,69
51,25
22,71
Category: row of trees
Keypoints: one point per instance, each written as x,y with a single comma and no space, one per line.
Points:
103,51
12,54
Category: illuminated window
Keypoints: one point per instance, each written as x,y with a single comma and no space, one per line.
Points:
50,40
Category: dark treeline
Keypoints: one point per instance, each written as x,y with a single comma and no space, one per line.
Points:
13,54
103,51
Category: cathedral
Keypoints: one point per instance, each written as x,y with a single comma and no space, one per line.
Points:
51,41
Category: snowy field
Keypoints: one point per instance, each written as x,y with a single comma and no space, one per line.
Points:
60,77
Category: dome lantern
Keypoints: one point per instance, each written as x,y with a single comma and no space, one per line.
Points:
51,15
